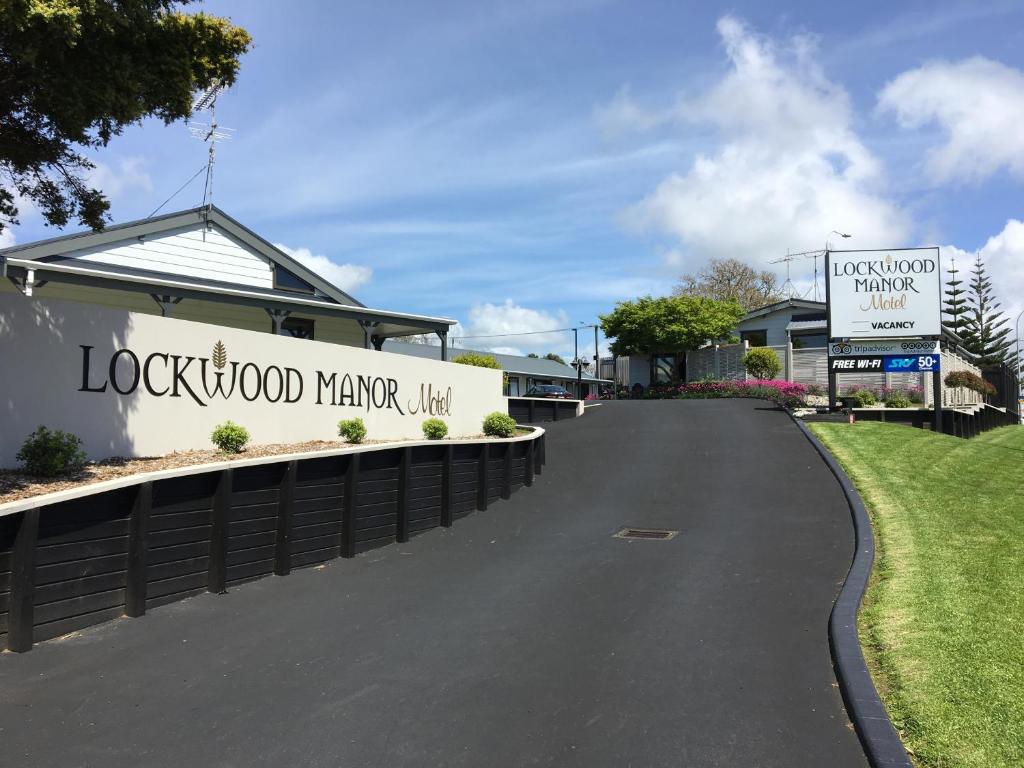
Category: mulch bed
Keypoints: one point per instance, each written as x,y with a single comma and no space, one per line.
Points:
16,485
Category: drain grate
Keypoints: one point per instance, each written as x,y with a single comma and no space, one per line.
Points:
658,534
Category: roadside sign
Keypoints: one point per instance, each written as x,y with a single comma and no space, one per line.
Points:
884,363
883,347
883,294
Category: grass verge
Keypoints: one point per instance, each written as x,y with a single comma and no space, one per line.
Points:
942,625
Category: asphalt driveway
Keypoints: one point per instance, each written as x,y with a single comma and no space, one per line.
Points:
525,635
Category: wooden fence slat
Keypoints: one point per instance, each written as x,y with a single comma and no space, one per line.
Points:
138,544
217,564
21,600
285,511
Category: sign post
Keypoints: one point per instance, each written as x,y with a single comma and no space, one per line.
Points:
884,315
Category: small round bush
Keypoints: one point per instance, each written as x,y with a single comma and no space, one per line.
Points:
865,397
435,429
352,430
499,424
762,363
47,454
897,400
230,437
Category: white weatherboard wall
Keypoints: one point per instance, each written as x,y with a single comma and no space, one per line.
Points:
55,355
193,251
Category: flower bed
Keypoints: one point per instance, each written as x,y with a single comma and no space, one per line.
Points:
786,393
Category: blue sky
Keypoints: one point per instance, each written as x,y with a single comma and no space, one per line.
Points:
523,165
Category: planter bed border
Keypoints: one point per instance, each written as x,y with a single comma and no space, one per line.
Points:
82,556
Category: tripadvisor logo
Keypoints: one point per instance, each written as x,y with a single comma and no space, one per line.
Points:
204,379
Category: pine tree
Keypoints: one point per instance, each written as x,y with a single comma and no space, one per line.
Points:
984,334
955,309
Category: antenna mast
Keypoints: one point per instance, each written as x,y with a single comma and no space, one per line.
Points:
211,133
788,259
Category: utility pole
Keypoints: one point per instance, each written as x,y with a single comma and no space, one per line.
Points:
597,364
576,359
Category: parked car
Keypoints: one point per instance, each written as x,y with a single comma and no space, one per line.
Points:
549,390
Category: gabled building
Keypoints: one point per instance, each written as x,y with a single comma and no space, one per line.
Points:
521,372
803,322
204,266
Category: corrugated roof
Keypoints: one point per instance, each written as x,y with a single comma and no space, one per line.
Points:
538,367
807,325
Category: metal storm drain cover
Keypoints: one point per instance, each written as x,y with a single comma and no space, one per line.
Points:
660,534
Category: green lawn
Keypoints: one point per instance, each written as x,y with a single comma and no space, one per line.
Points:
943,622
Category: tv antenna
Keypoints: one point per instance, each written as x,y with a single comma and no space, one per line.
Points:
788,260
210,133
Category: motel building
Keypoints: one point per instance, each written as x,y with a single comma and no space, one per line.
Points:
143,337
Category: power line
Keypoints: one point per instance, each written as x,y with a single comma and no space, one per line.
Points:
522,333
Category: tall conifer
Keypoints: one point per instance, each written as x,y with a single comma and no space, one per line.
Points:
986,333
955,307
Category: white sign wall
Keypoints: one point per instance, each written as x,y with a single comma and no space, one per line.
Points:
133,384
884,294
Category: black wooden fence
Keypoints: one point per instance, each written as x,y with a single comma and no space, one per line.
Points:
533,410
101,555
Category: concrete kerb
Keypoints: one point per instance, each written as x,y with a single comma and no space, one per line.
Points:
877,734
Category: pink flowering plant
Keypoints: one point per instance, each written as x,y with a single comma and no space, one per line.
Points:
786,393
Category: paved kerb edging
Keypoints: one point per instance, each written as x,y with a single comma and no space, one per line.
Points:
881,742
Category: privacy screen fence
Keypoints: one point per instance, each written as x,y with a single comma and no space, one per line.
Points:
103,554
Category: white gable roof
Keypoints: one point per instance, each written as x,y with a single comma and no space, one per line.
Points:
202,244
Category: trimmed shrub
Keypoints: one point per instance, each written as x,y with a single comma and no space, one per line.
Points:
230,437
865,397
435,429
786,393
353,430
499,424
48,454
762,363
897,400
915,395
970,381
816,389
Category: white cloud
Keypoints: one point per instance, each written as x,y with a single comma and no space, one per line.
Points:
623,115
790,169
491,322
7,238
347,277
1003,255
128,177
979,103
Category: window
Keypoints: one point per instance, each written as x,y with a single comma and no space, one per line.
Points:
809,340
808,316
756,338
285,280
297,327
663,369
513,386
